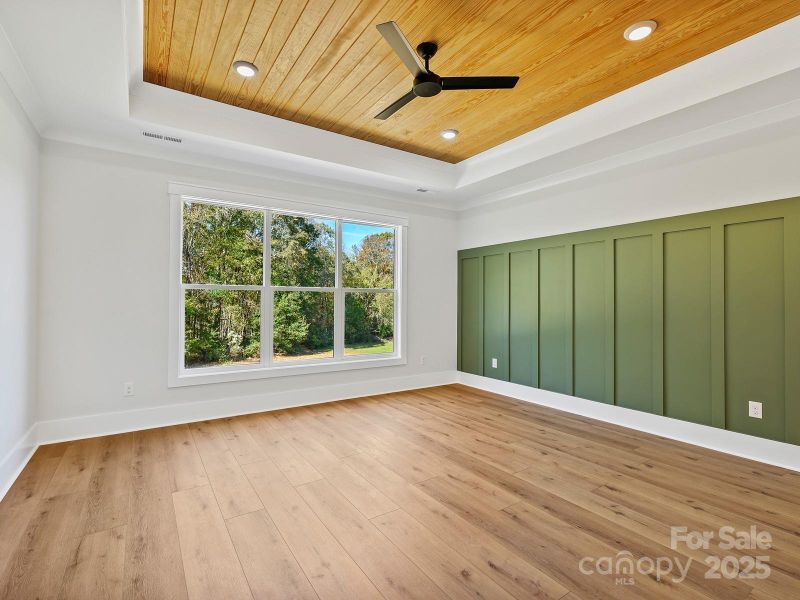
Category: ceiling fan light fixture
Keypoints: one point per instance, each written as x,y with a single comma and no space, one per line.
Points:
449,134
639,31
244,68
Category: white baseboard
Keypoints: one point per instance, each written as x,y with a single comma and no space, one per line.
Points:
16,459
76,428
729,442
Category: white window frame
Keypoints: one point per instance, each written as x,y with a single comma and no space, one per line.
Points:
179,375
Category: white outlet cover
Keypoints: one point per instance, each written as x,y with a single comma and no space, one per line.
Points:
494,363
754,410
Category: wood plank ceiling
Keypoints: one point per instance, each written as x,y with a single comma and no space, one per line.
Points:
323,63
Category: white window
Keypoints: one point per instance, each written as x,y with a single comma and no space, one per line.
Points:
263,287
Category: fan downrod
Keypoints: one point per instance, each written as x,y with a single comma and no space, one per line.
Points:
427,84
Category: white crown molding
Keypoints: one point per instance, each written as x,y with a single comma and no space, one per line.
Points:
18,80
310,189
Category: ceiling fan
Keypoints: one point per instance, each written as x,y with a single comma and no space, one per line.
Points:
426,82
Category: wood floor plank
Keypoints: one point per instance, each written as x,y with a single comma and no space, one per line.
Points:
14,522
149,449
393,574
329,568
153,563
414,494
20,503
30,486
209,560
233,491
99,567
37,566
185,465
208,438
296,468
481,487
338,445
451,571
241,443
75,469
270,567
110,484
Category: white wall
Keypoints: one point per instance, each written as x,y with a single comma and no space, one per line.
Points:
19,176
759,166
103,312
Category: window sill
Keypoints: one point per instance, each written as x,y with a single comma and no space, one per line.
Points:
202,376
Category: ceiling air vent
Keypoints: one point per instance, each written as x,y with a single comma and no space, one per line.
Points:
158,136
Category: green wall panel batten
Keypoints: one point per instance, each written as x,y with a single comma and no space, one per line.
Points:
634,322
523,308
553,373
471,316
495,316
754,326
687,325
589,331
691,316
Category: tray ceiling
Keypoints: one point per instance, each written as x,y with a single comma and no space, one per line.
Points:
323,63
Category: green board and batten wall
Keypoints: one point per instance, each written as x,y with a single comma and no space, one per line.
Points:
690,317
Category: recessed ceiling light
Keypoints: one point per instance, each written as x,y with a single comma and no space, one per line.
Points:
244,68
449,134
639,31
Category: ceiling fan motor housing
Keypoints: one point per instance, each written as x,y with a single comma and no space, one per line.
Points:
427,84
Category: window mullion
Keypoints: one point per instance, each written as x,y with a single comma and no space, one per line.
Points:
182,292
338,298
297,288
371,290
266,294
222,286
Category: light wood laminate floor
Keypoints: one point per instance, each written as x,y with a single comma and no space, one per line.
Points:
445,492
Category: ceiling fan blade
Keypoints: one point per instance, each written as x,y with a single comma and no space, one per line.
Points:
395,106
479,83
392,34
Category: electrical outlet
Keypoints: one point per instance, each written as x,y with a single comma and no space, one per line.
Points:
127,389
422,359
754,410
494,363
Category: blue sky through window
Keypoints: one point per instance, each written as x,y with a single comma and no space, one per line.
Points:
354,233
